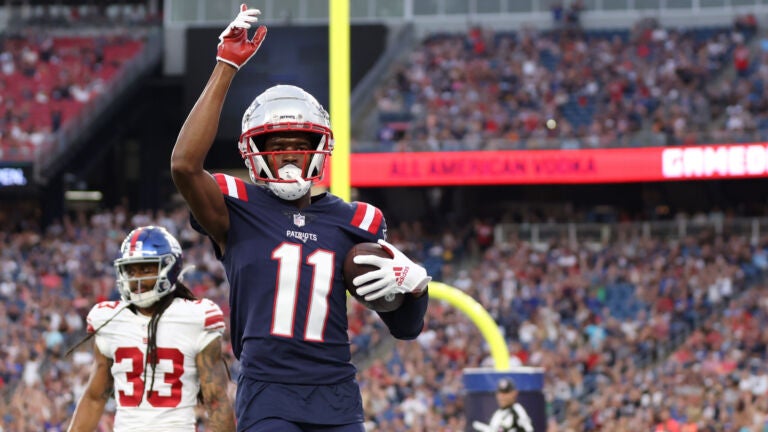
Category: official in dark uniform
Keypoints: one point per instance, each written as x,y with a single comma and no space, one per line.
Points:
511,416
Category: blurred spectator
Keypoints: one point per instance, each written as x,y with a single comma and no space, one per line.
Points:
490,90
632,333
49,80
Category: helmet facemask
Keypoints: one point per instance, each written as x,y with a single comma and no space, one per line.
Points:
130,287
289,180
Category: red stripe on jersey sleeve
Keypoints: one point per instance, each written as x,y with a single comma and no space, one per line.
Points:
371,224
357,219
221,180
241,192
377,218
90,328
213,320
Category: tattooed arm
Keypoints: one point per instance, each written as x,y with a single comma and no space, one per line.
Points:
213,384
99,389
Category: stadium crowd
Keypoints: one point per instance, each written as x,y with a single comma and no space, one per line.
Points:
488,90
641,332
47,80
501,90
601,322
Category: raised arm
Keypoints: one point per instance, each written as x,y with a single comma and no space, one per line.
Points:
213,384
90,407
197,135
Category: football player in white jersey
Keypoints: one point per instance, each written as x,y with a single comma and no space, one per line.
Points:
158,350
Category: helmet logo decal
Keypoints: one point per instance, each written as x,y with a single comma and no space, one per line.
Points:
136,247
135,243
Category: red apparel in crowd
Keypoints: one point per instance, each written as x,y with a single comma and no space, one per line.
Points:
669,425
741,59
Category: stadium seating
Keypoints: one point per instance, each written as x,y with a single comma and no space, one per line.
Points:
603,88
600,320
651,332
48,80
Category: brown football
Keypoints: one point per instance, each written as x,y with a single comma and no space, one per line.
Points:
351,271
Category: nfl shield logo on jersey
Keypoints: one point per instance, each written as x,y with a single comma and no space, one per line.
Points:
299,220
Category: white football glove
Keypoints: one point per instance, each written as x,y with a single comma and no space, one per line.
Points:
243,20
395,275
234,48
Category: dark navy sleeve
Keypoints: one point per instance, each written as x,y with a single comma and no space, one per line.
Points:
407,321
197,227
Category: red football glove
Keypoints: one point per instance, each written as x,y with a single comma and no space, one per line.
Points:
234,47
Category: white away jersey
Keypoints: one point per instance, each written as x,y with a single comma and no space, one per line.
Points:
185,328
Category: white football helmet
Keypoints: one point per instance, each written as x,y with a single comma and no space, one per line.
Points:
285,108
149,244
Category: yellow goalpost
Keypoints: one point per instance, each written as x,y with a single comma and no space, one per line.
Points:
339,77
339,95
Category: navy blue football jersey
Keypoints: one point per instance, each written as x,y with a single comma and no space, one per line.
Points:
287,296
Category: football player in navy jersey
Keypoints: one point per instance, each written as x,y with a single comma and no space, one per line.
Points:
283,251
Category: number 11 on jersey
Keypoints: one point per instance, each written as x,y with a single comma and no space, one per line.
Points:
289,279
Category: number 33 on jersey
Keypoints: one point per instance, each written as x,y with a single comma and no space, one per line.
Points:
186,327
